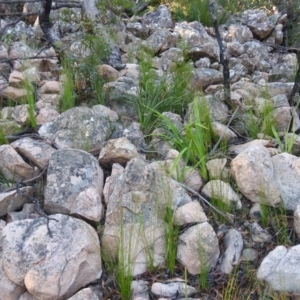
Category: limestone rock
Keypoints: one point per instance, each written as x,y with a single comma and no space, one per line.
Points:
37,152
51,87
21,114
160,18
255,176
51,268
204,77
46,115
160,41
14,93
280,269
198,248
74,184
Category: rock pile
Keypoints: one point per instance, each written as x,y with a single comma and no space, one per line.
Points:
80,145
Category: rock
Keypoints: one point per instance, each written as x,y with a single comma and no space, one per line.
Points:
172,289
258,23
74,184
105,112
8,127
189,213
280,118
37,152
222,191
84,294
234,245
280,269
198,248
259,234
118,151
160,18
235,150
255,176
217,170
78,127
27,212
14,93
16,79
51,87
11,201
48,101
51,268
249,255
12,166
139,290
210,50
160,41
221,130
287,170
9,290
137,29
46,115
108,72
204,77
27,296
21,114
138,226
255,212
297,220
238,33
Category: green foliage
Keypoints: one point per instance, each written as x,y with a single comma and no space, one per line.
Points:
3,140
69,97
195,142
169,93
30,98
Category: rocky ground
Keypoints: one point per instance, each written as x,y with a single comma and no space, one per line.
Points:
121,221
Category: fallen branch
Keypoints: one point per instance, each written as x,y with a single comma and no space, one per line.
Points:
37,205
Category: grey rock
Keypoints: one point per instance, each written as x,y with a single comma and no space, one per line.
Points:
172,289
160,18
280,269
33,260
255,176
138,29
198,248
37,152
79,127
238,33
259,234
287,170
74,184
204,77
139,290
160,41
222,191
234,245
84,294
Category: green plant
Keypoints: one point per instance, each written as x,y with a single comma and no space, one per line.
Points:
3,139
169,93
30,98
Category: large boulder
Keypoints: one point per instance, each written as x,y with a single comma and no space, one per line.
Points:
74,184
51,268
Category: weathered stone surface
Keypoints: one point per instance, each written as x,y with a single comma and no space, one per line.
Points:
108,72
9,290
189,213
280,269
198,248
14,93
172,289
233,242
237,149
51,87
238,33
222,191
84,294
217,170
12,166
160,18
51,268
9,127
74,184
297,220
79,127
21,114
258,23
37,152
259,234
139,290
11,201
160,41
105,112
255,176
118,151
27,212
46,115
204,77
143,194
287,170
221,130
137,29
